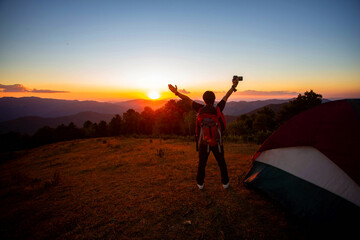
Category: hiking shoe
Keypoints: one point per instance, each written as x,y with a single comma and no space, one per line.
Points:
226,185
200,186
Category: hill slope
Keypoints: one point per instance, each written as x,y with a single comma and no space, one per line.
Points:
12,108
121,188
275,107
139,104
30,125
242,107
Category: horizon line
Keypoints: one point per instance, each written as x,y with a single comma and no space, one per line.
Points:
168,99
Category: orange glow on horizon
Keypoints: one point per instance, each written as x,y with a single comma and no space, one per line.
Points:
106,93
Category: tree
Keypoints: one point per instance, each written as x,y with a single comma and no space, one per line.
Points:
131,120
88,124
44,135
115,125
102,129
147,121
242,126
74,132
13,141
89,129
65,133
185,110
300,104
190,122
170,119
265,120
61,133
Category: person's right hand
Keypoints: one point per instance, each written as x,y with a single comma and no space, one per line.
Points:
172,88
235,82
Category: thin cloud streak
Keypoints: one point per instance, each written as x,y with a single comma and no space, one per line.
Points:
266,93
22,88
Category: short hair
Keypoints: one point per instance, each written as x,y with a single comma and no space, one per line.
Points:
209,97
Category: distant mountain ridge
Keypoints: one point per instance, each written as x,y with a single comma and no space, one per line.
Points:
242,107
276,107
13,108
28,114
31,124
139,104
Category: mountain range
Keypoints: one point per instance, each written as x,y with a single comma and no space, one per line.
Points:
242,107
31,124
12,108
27,114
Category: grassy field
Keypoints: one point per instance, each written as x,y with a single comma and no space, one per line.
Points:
127,188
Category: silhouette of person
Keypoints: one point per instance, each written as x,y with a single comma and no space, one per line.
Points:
209,99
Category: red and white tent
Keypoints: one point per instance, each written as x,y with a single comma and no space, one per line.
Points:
311,164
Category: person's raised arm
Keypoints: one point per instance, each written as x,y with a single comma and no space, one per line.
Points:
180,95
231,90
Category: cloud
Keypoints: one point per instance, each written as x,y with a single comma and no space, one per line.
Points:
266,93
13,88
183,91
47,91
22,88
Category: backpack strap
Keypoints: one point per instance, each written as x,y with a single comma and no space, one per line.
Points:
221,118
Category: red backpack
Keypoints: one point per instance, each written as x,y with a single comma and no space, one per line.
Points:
209,128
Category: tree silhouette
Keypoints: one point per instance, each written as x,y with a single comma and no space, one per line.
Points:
115,125
300,104
61,133
190,122
265,120
74,132
44,135
147,121
169,119
14,141
242,126
131,121
102,129
89,129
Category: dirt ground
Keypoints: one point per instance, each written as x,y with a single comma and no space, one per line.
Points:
130,188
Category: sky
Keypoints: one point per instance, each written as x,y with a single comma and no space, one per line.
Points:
120,50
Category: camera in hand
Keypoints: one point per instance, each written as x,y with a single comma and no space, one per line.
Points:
239,78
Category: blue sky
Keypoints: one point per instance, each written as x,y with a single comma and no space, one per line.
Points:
134,46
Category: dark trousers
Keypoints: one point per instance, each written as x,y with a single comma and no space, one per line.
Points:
203,157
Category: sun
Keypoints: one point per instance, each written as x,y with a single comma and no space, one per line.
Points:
153,95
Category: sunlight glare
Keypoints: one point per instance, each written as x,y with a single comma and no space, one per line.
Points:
153,95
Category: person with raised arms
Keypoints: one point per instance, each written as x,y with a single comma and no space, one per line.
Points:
210,124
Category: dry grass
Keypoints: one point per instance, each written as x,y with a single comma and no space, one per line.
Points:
125,188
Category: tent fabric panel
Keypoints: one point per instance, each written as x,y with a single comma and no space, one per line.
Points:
301,198
333,128
311,165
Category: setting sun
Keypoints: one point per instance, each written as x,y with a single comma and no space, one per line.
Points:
153,95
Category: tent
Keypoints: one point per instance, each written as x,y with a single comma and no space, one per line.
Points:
311,164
